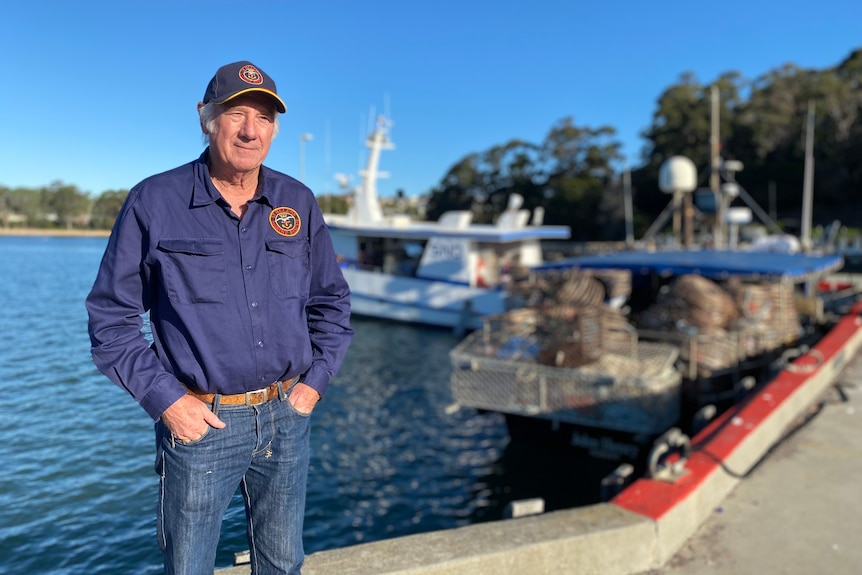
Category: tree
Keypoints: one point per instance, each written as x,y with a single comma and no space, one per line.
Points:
580,171
771,136
24,202
106,208
332,204
67,203
567,175
840,152
460,187
5,212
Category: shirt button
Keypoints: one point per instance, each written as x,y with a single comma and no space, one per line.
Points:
248,267
254,304
260,344
243,230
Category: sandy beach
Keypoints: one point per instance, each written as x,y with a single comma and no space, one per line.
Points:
53,232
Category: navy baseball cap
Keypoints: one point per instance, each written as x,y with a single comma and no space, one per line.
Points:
239,78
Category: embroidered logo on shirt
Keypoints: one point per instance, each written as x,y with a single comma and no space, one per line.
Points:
285,221
250,75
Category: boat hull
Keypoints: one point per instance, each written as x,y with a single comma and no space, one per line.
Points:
586,441
699,401
421,301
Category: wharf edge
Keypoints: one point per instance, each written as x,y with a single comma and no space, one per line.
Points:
641,529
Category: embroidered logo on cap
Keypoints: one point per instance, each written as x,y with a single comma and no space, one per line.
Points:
250,75
285,221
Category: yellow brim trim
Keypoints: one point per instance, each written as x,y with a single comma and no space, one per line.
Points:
280,103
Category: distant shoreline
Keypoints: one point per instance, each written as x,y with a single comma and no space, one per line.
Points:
54,232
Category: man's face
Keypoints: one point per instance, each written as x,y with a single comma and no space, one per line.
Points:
244,132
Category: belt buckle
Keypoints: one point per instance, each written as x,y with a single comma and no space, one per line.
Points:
249,394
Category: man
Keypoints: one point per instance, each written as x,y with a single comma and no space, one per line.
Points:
249,315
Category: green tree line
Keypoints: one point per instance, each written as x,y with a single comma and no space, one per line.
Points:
59,205
575,173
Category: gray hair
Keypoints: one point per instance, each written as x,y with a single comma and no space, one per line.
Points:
210,111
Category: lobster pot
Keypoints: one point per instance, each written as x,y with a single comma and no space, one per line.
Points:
639,394
709,350
570,336
768,315
619,336
617,284
511,335
578,288
522,321
563,334
572,287
693,301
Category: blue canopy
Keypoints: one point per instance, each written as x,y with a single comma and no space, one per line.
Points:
713,264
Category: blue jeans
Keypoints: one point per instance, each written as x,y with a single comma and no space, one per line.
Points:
264,451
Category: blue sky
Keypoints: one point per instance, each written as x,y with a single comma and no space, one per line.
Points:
103,94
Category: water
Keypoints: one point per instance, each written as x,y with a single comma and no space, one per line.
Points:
78,490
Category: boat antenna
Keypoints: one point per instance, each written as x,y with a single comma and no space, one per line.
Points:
387,112
715,164
327,156
808,179
369,126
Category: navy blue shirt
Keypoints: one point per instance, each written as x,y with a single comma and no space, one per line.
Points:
234,304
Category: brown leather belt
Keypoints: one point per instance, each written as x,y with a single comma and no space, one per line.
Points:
255,397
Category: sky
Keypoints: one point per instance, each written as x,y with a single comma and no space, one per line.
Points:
102,94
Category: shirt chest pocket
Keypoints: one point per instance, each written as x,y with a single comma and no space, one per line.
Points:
194,270
289,265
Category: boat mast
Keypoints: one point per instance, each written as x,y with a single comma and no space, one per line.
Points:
366,207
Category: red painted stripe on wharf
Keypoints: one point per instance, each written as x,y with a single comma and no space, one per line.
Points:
715,443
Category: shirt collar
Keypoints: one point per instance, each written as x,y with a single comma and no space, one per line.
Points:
205,192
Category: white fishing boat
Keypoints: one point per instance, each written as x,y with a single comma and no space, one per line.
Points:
448,273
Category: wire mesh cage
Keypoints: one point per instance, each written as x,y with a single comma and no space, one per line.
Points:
497,370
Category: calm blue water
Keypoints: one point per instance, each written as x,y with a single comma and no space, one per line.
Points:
77,487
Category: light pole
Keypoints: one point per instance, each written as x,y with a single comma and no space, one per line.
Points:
303,138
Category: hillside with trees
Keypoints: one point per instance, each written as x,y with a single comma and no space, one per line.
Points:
575,173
